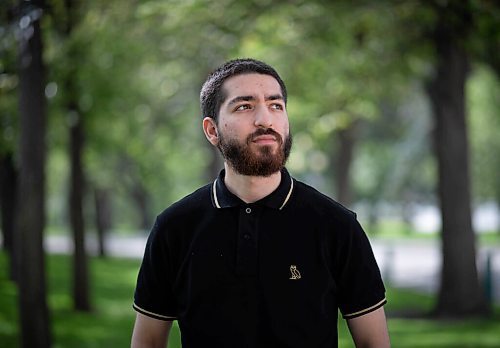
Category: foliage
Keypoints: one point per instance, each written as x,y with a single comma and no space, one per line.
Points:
484,124
140,67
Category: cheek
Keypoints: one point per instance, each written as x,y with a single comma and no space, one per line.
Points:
225,129
236,128
286,128
228,131
222,127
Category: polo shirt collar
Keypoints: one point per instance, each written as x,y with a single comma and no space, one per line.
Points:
223,198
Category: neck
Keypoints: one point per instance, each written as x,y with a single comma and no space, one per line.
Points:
250,188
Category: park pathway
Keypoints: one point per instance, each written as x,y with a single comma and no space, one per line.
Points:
416,264
412,264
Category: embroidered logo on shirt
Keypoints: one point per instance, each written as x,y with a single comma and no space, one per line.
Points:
294,272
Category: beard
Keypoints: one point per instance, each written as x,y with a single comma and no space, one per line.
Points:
255,162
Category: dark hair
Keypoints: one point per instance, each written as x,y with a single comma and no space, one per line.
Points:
212,95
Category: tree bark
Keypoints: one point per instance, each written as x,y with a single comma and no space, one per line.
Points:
30,218
103,217
140,196
81,296
77,187
8,185
346,141
460,293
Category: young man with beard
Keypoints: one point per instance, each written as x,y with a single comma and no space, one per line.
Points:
256,258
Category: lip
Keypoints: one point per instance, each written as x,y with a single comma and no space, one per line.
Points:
264,139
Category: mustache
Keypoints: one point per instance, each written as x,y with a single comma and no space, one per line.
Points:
266,131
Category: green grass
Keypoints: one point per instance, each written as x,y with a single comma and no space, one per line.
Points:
111,321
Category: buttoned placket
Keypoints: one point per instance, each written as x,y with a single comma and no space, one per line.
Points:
247,267
247,245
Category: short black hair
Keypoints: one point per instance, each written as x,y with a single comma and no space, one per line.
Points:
212,96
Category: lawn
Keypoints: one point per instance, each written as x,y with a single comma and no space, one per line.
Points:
110,323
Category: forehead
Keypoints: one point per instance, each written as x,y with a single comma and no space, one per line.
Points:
251,85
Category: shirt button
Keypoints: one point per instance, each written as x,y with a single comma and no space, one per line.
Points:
248,210
246,236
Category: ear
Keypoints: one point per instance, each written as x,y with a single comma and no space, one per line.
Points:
210,130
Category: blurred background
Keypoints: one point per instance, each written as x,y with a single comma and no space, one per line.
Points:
395,112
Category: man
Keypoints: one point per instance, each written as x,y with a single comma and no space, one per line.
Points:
256,258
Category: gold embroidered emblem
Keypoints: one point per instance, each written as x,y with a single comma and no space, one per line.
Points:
295,272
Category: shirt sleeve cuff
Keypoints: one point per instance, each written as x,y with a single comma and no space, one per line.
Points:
153,315
365,311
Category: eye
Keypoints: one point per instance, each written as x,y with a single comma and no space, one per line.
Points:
277,106
243,107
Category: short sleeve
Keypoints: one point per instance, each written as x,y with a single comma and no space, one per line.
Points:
359,282
153,293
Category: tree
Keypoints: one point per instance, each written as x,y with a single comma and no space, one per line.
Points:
8,186
81,295
65,67
103,217
460,293
8,191
8,132
30,220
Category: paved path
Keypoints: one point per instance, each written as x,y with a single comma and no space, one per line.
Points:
405,264
417,264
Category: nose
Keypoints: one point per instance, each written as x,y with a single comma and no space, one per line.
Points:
263,117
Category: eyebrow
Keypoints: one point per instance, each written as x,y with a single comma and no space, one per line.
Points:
275,97
241,98
252,98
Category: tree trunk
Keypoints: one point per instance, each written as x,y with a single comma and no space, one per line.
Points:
140,197
103,217
81,296
8,185
77,188
30,217
460,293
346,141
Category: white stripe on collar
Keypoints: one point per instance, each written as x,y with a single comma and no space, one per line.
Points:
214,190
289,193
216,201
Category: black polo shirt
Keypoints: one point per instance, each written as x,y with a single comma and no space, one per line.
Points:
267,274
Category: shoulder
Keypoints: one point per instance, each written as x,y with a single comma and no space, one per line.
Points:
188,207
310,199
175,225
